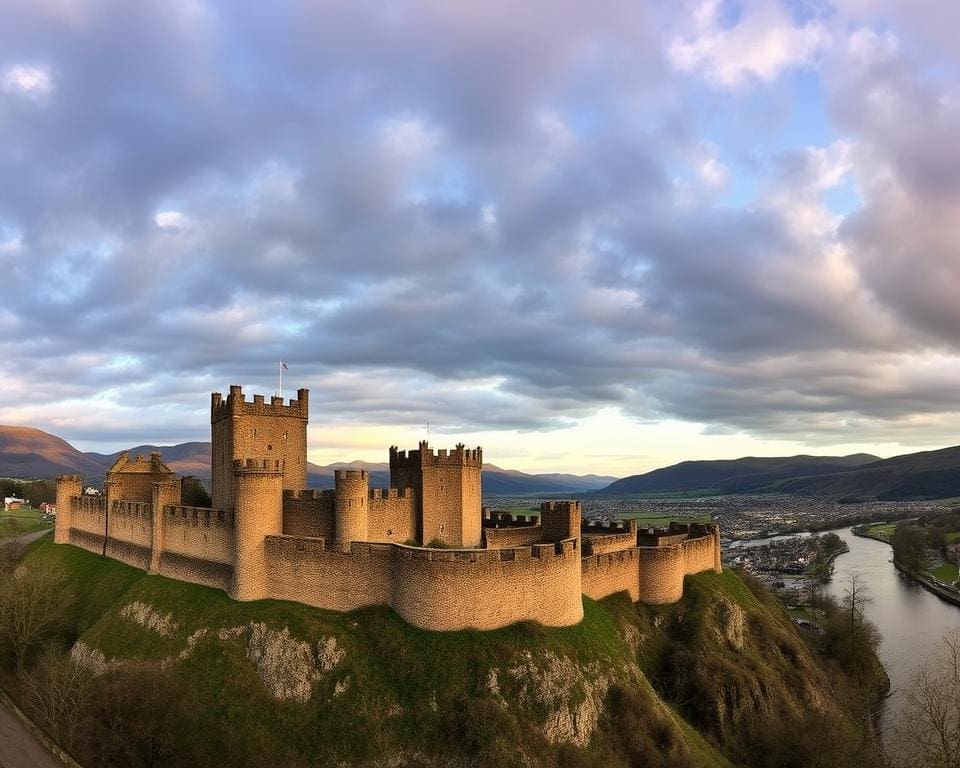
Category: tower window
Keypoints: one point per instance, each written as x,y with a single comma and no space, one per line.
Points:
269,447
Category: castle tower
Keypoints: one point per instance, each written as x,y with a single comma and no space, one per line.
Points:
133,479
351,505
258,501
447,485
241,429
560,520
68,486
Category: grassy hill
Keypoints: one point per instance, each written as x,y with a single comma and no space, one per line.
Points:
746,475
700,683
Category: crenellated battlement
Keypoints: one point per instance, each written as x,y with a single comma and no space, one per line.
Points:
269,537
199,516
391,493
252,466
132,508
460,456
88,503
236,404
308,494
350,474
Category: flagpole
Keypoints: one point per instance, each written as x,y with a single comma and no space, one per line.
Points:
280,379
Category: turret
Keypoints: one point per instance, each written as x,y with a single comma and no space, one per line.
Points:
274,430
258,488
68,486
351,505
447,485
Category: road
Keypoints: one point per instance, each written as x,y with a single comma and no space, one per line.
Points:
26,538
19,748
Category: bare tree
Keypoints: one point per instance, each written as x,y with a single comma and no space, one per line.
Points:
31,607
928,733
56,690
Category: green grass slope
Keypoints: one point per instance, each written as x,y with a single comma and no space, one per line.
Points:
277,683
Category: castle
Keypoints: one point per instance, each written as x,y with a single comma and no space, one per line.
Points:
424,546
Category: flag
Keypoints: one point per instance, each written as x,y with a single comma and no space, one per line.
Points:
284,365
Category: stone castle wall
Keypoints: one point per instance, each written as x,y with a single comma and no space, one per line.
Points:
514,536
200,534
435,589
612,572
392,515
308,513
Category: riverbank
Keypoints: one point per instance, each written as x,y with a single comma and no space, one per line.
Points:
944,593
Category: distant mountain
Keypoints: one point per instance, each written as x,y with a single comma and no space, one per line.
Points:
747,475
28,452
924,475
185,458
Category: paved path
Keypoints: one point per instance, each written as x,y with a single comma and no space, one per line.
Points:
19,748
27,538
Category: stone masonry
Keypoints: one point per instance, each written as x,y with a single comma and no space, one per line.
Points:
423,546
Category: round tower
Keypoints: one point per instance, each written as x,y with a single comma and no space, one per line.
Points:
258,487
351,505
68,487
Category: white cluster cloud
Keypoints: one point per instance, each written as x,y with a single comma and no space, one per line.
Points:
490,217
35,82
759,46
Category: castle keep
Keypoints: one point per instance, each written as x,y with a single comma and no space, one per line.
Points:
423,546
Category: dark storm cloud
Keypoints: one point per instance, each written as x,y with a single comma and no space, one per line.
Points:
470,210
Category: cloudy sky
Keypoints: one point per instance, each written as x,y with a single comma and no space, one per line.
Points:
598,236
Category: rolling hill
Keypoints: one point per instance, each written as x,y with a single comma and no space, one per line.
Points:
747,475
31,453
928,474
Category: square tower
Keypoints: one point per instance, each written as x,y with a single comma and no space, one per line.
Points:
447,487
257,430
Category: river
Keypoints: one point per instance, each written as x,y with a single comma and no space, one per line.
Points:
911,620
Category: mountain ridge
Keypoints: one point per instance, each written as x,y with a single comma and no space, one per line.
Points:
38,454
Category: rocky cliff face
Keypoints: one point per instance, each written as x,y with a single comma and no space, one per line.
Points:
706,682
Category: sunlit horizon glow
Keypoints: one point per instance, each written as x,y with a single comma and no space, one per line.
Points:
591,240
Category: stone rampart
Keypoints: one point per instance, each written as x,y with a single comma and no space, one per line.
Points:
459,589
308,513
305,570
661,574
512,536
392,515
184,568
132,522
88,514
698,554
198,533
433,589
611,572
598,544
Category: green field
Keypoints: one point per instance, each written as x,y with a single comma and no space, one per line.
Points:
951,537
882,530
947,573
26,520
652,520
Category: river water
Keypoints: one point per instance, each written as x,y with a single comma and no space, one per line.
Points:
911,620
